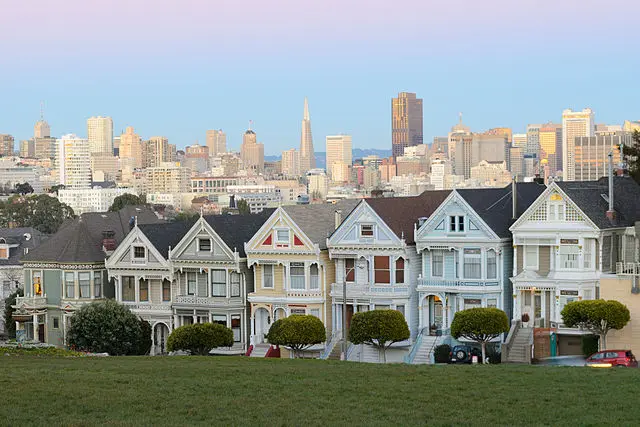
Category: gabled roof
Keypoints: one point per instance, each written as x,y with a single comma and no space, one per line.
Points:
235,230
317,221
164,236
494,205
588,196
80,240
25,238
402,213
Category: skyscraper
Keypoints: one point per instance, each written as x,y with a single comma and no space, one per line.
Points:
339,157
217,142
574,124
41,129
550,137
406,122
307,157
291,162
74,162
592,154
252,153
7,145
131,148
100,135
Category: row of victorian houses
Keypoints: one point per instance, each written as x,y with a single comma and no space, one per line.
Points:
526,249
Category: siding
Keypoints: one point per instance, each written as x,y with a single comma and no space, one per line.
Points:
155,291
507,286
411,278
619,289
53,286
520,250
598,266
544,260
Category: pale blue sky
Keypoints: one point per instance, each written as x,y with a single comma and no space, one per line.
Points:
178,68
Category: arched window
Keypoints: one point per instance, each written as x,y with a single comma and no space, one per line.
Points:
400,270
492,266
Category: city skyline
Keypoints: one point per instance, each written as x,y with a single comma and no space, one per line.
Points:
179,84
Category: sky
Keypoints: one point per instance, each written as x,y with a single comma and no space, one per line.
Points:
178,68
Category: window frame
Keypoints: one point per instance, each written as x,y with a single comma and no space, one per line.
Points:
129,281
232,276
457,224
87,286
277,239
205,239
190,290
399,270
350,271
97,284
576,254
369,233
494,257
271,275
526,258
68,274
218,283
297,266
381,270
467,255
146,290
314,279
433,263
166,288
135,254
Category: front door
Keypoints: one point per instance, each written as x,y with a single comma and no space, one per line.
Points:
41,332
262,325
161,334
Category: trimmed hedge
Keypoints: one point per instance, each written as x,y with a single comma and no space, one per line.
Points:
200,338
297,332
441,353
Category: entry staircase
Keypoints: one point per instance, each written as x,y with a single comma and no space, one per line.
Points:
517,348
260,350
424,352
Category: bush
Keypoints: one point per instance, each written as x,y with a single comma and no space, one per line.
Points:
297,332
144,345
107,327
10,325
590,344
39,352
441,353
200,338
493,353
480,325
379,328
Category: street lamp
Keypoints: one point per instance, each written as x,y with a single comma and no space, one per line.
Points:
343,352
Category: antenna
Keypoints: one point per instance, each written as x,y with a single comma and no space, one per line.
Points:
250,124
41,110
460,117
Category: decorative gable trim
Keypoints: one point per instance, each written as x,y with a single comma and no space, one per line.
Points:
135,238
201,226
263,241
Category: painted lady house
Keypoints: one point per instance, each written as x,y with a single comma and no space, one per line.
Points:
292,269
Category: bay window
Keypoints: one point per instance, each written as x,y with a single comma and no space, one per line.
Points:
97,284
569,256
191,283
166,291
531,257
128,289
437,263
314,282
144,290
472,265
234,278
400,270
588,253
69,285
382,272
350,269
296,272
492,272
84,280
218,283
267,276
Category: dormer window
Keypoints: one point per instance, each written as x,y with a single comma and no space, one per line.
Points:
456,224
204,245
282,236
366,230
139,253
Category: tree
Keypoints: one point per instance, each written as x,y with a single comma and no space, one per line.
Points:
56,188
127,199
243,207
480,325
10,325
379,328
108,327
632,156
42,212
185,216
200,338
297,332
24,188
597,316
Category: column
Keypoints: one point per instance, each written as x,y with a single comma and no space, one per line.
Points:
533,307
35,328
137,288
420,321
176,323
515,260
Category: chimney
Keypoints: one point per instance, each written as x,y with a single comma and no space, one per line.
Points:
338,218
514,199
132,222
611,213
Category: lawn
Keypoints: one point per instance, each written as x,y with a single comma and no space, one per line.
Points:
234,391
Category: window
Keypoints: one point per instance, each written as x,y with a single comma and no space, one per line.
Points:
56,323
400,308
472,303
37,283
282,236
166,291
314,282
234,278
491,265
400,270
456,223
235,327
350,269
220,319
531,257
4,253
315,312
492,303
139,252
204,245
588,253
300,311
191,283
219,283
457,258
472,265
556,211
97,284
128,288
296,272
84,280
569,256
267,276
437,263
144,290
382,274
586,294
70,285
366,230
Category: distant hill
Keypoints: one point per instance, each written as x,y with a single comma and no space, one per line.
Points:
358,153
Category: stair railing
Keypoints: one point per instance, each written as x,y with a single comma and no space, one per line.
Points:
335,336
408,359
505,348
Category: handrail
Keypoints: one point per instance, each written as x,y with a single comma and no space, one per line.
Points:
408,359
511,336
330,345
350,349
433,348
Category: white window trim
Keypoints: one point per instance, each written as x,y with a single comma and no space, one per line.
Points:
273,274
457,222
524,258
478,256
281,242
431,260
486,263
373,231
210,244
136,260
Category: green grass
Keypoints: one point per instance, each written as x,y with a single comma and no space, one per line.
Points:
245,391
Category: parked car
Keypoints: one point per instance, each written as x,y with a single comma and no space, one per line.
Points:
463,354
612,358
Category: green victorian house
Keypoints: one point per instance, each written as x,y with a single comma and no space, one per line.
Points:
68,270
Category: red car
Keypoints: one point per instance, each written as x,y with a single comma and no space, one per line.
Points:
612,358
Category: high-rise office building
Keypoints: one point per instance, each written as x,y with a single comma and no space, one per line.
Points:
519,140
74,162
28,148
100,135
7,145
217,142
630,126
156,151
574,124
307,156
506,132
550,137
41,129
592,154
196,157
131,148
516,162
252,153
291,162
533,139
406,122
339,156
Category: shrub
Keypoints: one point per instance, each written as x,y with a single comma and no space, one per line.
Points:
10,325
379,328
39,352
298,332
144,345
200,338
441,353
493,353
480,325
590,344
107,327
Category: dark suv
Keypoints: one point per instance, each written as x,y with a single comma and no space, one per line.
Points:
612,358
463,354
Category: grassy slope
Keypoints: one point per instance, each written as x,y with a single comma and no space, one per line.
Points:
231,390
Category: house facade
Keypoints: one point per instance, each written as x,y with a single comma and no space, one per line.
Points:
291,266
466,254
571,236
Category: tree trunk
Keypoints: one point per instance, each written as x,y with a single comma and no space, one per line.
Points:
484,344
603,341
